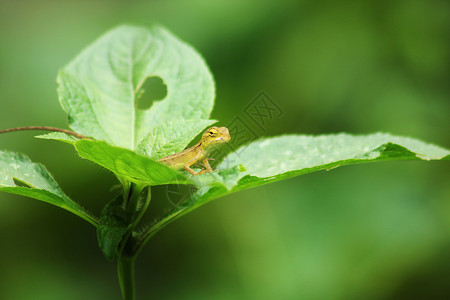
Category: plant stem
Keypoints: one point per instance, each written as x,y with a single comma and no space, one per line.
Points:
132,201
125,272
45,128
126,257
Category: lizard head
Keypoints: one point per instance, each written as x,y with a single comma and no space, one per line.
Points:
216,135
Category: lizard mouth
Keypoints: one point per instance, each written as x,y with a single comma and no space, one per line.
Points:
222,139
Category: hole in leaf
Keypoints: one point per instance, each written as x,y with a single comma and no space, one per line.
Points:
19,182
152,89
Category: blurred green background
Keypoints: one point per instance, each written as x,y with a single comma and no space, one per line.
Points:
376,231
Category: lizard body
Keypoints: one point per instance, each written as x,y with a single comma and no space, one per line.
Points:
211,138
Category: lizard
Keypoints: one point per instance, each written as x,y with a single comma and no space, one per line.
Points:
211,138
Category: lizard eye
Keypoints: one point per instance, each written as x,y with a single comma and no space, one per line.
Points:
211,133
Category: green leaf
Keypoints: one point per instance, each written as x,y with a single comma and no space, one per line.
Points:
100,87
128,164
58,136
114,224
19,175
168,139
282,157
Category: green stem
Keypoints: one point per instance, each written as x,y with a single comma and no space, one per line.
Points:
143,208
126,259
125,272
132,201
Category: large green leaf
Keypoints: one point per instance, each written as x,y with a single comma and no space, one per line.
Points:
277,158
286,156
100,87
128,164
19,175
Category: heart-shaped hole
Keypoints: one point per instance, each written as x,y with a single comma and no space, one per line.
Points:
152,89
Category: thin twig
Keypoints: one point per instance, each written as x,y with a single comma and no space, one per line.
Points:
46,128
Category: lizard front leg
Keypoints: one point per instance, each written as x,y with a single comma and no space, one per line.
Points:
207,167
188,165
191,162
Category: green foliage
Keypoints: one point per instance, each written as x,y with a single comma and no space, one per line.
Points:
278,158
19,175
100,89
114,224
281,157
58,136
128,164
